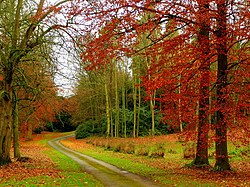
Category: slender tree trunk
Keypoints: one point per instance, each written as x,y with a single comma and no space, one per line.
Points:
152,113
30,128
17,153
107,110
179,106
117,113
139,108
111,119
201,157
124,102
222,161
135,105
236,101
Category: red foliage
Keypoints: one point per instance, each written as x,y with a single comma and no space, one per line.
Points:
175,56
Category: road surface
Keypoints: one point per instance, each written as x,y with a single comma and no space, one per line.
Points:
109,175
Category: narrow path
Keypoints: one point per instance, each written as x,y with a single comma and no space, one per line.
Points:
109,175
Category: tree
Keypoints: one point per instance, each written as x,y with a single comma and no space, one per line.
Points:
201,157
208,30
20,32
227,36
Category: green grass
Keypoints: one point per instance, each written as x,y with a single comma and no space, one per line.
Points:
173,152
71,171
77,180
153,173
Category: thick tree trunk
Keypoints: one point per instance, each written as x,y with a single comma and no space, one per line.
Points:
201,157
5,126
222,161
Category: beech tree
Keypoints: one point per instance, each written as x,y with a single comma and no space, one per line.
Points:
204,46
208,32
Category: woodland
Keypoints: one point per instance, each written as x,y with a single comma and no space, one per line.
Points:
144,68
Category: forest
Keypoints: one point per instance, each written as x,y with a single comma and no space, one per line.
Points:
142,68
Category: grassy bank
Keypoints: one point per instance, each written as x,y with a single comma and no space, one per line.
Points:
167,170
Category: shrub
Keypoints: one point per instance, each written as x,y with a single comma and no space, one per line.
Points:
189,151
49,127
142,150
129,148
158,150
84,130
38,130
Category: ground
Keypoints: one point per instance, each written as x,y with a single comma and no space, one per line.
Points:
172,170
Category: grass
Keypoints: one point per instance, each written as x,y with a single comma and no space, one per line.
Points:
153,173
167,170
71,172
65,171
139,165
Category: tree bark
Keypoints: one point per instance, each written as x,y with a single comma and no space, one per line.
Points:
124,120
135,106
222,161
139,107
107,111
17,153
201,157
5,122
117,107
152,106
179,105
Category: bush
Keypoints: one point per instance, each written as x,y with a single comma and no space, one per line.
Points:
158,150
85,130
38,130
189,150
49,127
142,150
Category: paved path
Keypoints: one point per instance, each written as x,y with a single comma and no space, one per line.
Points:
109,175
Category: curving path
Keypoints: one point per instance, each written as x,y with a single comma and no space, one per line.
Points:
109,175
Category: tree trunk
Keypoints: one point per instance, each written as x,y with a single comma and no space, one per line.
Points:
135,108
117,107
201,157
30,129
139,108
179,106
107,110
124,102
152,113
5,125
222,161
17,153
